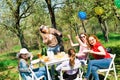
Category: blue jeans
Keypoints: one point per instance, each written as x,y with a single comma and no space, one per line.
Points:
40,72
94,65
53,49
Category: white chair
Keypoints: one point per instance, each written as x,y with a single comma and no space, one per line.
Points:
79,76
34,77
111,67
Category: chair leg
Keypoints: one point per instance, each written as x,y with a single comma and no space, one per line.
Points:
20,77
106,75
114,71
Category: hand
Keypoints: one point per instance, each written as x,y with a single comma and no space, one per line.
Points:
69,36
88,51
91,51
77,37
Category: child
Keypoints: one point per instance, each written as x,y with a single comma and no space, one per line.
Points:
71,74
23,66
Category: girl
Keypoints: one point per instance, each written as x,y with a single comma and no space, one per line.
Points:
82,43
102,57
71,74
23,66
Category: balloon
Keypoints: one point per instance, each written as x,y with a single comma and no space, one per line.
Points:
82,15
117,3
99,10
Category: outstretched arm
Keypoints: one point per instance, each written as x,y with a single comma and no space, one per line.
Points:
71,42
101,51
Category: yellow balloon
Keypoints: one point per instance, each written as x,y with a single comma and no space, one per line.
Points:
99,10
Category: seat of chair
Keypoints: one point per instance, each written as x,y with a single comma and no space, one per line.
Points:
103,70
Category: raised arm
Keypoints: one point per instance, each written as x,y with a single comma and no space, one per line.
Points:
56,32
45,38
71,42
80,42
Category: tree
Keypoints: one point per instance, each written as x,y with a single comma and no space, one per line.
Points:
51,12
17,11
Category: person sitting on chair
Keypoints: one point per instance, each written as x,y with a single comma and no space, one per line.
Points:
71,74
23,66
102,57
82,43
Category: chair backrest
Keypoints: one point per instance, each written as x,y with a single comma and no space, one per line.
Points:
112,62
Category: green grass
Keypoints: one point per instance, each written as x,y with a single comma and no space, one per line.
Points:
8,61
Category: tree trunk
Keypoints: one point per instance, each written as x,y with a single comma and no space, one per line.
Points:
105,31
22,40
52,15
83,26
104,28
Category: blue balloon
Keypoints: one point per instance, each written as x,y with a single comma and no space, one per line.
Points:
82,15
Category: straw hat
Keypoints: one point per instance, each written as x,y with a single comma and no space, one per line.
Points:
23,51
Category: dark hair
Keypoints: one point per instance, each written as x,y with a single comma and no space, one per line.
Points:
41,29
71,52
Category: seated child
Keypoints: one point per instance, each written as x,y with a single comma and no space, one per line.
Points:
71,74
23,66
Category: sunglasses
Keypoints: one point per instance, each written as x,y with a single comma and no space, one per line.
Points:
82,36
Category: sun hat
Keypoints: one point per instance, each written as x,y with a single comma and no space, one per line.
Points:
23,51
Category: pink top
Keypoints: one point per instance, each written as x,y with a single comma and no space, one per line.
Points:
81,49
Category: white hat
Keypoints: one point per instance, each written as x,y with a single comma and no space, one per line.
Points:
22,51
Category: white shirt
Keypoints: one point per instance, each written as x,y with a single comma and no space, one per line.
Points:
66,64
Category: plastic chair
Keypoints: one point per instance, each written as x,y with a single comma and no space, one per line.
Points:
110,68
34,77
79,76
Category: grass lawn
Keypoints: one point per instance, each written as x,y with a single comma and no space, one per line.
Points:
8,61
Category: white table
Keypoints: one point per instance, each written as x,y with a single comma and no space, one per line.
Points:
50,63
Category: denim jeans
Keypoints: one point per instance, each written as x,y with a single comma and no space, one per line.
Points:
53,49
40,71
94,65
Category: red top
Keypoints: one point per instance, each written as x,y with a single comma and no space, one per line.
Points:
95,48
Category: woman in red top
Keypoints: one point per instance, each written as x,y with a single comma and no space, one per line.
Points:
102,57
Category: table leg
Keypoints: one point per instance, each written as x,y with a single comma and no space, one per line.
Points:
48,73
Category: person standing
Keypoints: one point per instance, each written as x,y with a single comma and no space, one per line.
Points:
102,57
49,36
